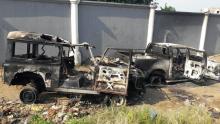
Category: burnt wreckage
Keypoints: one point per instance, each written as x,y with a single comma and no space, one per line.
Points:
162,63
167,62
42,63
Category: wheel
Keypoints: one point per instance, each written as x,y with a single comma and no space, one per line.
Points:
29,95
156,79
118,100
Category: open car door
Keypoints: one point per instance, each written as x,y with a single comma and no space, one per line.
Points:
195,64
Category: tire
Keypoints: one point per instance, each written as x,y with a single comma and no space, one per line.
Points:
29,95
118,100
157,79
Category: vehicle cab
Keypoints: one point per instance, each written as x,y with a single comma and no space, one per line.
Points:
42,62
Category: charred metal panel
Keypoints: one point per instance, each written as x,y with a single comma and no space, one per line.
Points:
193,69
150,63
80,91
112,80
116,71
213,70
11,69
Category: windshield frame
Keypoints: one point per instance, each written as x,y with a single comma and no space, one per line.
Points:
150,46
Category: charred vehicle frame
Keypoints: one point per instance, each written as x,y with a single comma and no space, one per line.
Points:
121,58
31,63
167,62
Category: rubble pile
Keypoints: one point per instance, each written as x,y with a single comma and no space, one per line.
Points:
57,112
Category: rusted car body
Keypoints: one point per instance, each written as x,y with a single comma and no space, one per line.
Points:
166,62
43,63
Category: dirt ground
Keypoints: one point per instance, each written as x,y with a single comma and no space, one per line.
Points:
215,58
9,92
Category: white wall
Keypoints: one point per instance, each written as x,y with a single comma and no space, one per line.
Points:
44,17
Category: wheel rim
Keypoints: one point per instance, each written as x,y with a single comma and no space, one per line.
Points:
28,96
118,100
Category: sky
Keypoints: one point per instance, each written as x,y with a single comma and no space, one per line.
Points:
190,5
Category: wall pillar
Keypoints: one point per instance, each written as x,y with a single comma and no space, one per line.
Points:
74,29
203,31
150,30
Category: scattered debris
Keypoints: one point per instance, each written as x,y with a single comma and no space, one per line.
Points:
59,112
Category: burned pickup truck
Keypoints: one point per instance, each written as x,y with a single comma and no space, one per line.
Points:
42,63
166,62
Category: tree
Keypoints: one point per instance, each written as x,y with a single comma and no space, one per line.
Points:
167,8
145,2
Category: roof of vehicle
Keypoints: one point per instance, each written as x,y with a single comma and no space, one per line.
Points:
176,46
21,36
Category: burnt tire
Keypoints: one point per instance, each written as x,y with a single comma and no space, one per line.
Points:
118,100
156,79
29,95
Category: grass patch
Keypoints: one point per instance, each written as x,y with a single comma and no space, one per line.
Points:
140,115
189,115
117,115
38,120
145,115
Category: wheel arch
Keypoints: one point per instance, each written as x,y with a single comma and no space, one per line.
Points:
24,78
158,72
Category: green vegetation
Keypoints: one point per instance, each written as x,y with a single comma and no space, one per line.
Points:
142,115
36,119
145,115
189,115
168,8
114,115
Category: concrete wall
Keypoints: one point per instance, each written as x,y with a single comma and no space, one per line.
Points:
113,25
212,44
44,17
106,24
178,27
